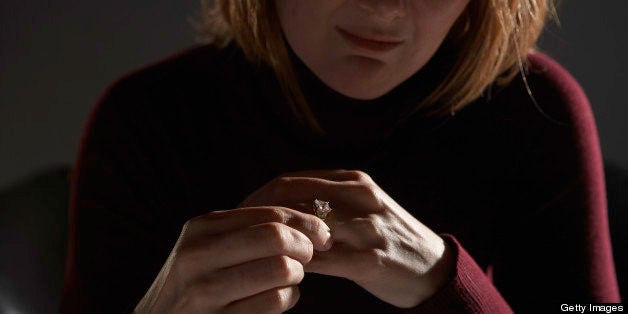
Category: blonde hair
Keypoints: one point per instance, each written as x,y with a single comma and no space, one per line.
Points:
491,37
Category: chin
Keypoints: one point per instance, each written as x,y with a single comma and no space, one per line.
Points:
359,88
362,94
359,78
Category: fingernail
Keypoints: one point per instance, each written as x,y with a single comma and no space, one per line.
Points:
329,241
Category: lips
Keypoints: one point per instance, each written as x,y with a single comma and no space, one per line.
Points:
369,43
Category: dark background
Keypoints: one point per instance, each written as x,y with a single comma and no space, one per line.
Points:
57,57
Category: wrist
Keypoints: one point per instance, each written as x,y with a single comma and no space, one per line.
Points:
437,274
442,271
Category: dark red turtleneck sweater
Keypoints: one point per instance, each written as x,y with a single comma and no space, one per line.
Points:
518,191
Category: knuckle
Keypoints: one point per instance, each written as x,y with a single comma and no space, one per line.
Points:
187,224
370,225
287,174
376,256
198,223
370,193
358,175
294,242
366,190
315,225
190,225
277,237
285,269
274,214
281,265
279,299
283,180
376,229
273,229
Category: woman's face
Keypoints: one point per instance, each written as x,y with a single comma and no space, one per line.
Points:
365,48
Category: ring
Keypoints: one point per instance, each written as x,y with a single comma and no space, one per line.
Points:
321,209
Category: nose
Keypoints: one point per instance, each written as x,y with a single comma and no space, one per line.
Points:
387,10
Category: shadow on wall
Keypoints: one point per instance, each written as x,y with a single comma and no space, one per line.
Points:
34,226
33,234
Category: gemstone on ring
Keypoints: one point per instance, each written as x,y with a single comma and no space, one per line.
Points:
321,209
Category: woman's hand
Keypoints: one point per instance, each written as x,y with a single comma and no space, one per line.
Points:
237,261
377,243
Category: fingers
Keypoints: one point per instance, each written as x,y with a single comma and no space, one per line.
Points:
293,190
300,192
225,221
251,278
338,175
241,282
275,300
360,232
316,183
345,261
326,175
251,243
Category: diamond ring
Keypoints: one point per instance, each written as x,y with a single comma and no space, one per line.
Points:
321,209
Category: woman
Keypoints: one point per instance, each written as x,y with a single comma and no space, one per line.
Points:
204,182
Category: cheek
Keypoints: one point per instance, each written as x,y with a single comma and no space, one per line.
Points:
303,21
434,18
293,22
432,21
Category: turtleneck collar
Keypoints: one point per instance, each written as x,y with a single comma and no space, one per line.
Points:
352,125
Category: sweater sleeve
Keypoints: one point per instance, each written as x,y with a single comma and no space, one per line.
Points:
470,290
555,248
118,190
559,250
